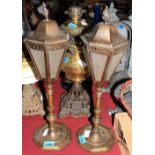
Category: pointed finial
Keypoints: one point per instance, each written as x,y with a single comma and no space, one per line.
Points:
45,11
109,14
111,5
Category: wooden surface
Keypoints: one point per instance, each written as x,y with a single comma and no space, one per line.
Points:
123,131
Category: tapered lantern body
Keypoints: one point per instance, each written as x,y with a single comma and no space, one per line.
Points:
46,47
103,50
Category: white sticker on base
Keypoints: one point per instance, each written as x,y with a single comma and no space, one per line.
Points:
45,132
87,133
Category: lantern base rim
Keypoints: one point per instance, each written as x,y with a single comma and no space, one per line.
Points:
99,146
47,143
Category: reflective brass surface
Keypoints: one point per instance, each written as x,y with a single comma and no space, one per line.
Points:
58,134
99,140
60,137
47,30
74,26
46,40
106,41
44,32
75,70
76,101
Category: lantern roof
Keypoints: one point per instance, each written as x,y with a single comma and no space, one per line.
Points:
105,36
47,31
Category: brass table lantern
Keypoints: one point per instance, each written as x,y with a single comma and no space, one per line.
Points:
103,49
46,47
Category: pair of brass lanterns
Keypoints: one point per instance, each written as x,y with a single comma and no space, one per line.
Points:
103,49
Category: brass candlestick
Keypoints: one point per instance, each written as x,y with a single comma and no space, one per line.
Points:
58,135
100,137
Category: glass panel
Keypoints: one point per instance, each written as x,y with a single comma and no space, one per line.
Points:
56,57
39,59
115,60
99,62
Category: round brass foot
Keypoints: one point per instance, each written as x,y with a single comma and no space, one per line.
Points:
95,141
47,141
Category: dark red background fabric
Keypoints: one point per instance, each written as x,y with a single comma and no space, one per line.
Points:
30,123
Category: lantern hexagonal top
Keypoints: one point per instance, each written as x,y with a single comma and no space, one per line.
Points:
104,48
46,47
48,32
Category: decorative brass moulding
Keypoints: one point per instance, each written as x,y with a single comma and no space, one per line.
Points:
104,48
74,26
46,47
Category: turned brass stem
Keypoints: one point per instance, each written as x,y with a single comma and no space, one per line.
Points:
75,20
50,98
50,117
101,138
58,133
97,107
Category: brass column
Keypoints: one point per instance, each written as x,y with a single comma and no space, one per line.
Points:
51,117
58,135
95,135
97,118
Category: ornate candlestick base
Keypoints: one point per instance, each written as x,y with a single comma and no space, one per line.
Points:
54,140
95,140
75,102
